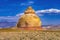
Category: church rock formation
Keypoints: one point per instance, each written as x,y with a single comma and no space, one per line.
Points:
29,20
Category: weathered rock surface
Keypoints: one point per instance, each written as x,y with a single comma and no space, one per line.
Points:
29,19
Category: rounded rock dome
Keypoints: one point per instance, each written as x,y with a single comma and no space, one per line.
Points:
29,19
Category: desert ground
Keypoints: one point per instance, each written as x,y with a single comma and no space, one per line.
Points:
16,34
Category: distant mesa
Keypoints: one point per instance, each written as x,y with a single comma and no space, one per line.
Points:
29,20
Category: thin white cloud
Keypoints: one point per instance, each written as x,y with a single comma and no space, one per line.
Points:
9,18
48,11
38,12
19,14
28,3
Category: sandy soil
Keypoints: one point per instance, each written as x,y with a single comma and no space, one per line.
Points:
29,35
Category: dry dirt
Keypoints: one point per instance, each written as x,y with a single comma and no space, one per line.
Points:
29,35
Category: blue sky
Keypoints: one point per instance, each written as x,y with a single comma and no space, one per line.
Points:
48,10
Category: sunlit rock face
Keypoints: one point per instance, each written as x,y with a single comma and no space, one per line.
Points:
29,19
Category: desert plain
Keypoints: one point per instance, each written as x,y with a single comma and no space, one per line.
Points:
17,34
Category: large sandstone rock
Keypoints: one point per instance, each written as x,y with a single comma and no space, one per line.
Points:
29,19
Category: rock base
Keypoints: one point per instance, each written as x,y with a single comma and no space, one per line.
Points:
30,28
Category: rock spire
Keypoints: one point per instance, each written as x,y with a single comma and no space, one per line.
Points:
29,10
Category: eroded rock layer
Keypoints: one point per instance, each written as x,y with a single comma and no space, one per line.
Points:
29,19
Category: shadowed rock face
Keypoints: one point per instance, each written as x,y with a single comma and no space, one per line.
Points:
29,19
